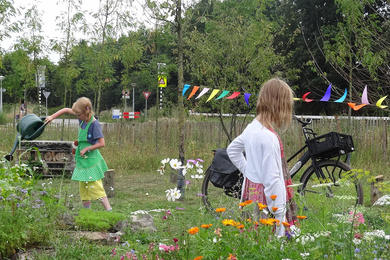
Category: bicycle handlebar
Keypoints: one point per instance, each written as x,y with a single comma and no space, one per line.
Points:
308,121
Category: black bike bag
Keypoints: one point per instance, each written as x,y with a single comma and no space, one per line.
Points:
223,172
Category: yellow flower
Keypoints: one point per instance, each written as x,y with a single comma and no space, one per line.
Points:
206,225
220,210
301,217
198,258
193,230
261,206
273,197
229,222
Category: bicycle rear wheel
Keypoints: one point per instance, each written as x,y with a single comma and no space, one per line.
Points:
215,197
339,189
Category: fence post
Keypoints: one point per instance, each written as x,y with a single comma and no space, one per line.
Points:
108,183
375,189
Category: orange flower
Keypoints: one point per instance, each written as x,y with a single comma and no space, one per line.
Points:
268,222
206,225
198,258
285,224
242,204
301,217
193,230
240,226
220,210
261,206
274,209
248,202
273,197
231,257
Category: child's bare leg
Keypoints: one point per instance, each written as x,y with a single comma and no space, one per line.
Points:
106,203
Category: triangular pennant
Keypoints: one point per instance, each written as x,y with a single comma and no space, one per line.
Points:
364,96
306,99
186,86
202,92
215,92
224,93
356,107
246,97
326,97
340,100
193,92
379,102
234,95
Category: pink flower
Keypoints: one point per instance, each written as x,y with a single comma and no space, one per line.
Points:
166,248
356,218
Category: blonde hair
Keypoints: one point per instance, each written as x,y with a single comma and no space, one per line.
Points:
83,105
275,104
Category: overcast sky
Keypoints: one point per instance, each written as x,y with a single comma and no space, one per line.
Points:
50,11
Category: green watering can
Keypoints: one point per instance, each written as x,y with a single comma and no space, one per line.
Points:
30,127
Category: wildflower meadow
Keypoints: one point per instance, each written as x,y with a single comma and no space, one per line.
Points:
146,183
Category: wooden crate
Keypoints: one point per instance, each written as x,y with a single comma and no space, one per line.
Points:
57,155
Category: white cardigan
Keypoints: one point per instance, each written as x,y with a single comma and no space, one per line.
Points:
263,163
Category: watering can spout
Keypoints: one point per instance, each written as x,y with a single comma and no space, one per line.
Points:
30,127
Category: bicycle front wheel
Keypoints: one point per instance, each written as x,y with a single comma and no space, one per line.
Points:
337,186
216,197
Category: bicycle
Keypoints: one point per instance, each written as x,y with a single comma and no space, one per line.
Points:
327,176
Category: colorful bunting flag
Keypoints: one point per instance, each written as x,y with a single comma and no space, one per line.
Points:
340,100
326,97
246,97
234,95
304,97
364,96
193,92
224,93
379,102
215,92
202,92
186,86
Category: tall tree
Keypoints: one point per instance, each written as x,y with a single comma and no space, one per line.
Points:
234,53
68,23
112,18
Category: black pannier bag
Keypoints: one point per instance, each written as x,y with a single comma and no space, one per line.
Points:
223,172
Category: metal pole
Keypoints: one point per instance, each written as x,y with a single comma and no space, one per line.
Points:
146,108
133,85
1,94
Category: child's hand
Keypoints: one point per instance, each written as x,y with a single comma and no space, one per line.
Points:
48,119
82,152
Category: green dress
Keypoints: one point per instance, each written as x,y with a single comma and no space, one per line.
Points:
92,166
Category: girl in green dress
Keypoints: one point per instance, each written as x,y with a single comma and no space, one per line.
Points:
90,165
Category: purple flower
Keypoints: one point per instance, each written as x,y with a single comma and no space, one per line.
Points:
200,194
200,160
187,182
357,250
192,161
180,208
